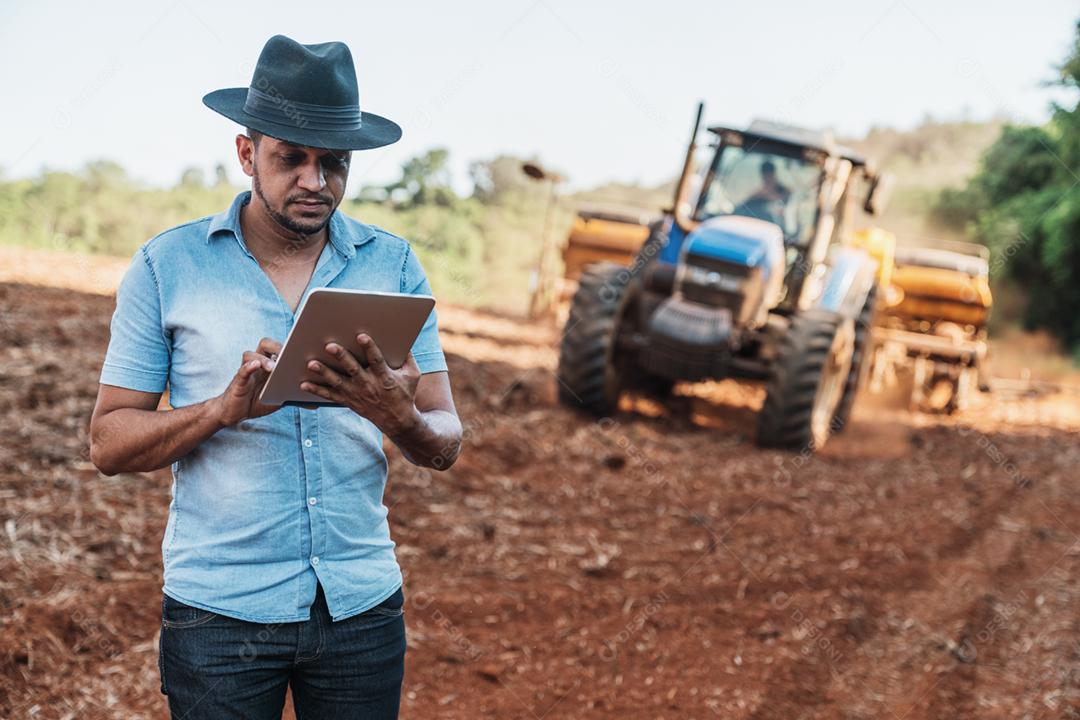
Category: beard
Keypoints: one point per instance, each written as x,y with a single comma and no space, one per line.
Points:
300,227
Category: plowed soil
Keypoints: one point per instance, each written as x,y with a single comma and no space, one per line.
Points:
655,564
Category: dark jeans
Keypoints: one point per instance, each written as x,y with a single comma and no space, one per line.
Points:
217,667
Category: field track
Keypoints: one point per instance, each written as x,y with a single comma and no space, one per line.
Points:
656,564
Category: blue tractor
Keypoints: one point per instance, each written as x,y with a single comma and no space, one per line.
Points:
752,273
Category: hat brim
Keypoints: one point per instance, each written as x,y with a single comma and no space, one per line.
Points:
375,131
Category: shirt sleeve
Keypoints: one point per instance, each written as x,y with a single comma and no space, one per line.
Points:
138,354
427,350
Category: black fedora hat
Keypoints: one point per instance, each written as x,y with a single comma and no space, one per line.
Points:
306,95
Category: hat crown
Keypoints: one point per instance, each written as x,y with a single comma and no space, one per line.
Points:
319,74
305,95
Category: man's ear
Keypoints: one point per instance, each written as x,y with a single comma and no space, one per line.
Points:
245,152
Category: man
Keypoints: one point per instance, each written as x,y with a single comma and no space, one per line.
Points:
771,189
767,202
279,568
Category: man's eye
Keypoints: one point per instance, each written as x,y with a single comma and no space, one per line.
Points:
292,159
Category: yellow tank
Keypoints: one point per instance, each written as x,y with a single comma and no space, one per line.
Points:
597,236
940,285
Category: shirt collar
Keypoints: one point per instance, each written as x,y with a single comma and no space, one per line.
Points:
344,236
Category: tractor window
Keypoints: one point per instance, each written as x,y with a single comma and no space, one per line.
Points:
778,188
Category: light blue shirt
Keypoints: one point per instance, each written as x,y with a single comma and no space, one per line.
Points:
261,510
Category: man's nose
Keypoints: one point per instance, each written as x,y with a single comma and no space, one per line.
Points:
312,178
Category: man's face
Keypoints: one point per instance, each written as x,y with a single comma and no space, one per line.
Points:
300,186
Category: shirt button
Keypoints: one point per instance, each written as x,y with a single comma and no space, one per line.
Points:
312,500
314,559
307,443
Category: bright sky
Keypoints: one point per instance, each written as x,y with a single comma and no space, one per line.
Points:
598,91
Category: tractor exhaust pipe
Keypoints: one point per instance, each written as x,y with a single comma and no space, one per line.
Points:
684,178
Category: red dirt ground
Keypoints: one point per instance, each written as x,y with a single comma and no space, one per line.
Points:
656,565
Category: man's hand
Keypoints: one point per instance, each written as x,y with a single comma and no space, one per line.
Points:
240,399
416,413
385,396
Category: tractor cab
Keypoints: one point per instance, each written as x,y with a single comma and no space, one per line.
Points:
799,181
754,175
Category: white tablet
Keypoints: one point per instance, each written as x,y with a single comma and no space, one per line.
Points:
393,320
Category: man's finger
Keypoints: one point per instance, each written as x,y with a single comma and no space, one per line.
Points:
247,369
349,364
264,361
374,355
269,347
320,390
328,376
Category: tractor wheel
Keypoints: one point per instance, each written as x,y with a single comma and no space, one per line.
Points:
807,381
860,360
589,377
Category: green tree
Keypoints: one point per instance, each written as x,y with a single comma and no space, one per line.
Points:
425,179
1024,204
